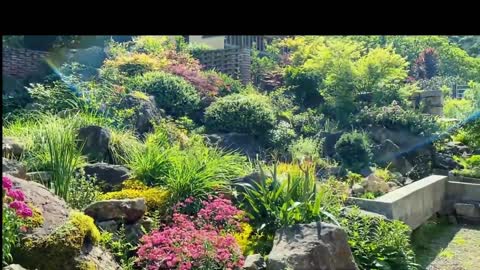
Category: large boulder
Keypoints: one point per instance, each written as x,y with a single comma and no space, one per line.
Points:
95,141
311,246
14,267
375,184
244,143
254,262
53,209
11,148
110,176
145,112
129,210
52,245
14,167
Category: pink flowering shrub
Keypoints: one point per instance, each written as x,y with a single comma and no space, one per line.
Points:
198,241
14,211
15,198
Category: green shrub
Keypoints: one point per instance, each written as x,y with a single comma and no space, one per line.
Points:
172,93
353,149
229,85
82,192
471,166
55,97
308,123
377,243
281,136
457,108
305,149
395,117
250,114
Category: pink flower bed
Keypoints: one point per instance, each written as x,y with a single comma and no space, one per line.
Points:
199,241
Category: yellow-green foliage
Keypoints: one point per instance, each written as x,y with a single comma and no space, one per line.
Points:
384,174
354,178
334,193
87,265
140,95
243,238
155,197
136,63
36,219
59,249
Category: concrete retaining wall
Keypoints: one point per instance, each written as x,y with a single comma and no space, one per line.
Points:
413,204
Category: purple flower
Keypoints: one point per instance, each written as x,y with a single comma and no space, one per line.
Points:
16,194
21,208
6,183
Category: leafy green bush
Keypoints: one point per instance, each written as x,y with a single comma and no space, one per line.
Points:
305,149
377,243
308,123
82,192
354,150
457,108
172,93
395,117
471,166
281,136
55,97
250,114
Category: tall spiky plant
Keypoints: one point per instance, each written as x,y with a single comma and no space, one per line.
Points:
64,157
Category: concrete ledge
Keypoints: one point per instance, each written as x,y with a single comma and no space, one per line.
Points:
413,204
463,191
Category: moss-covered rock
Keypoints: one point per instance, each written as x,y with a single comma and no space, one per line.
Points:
57,239
60,248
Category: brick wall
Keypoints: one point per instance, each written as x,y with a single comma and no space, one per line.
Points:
22,63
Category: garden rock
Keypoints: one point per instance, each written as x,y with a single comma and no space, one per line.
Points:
111,176
129,210
386,151
402,165
109,225
41,176
95,142
244,143
408,181
14,167
311,246
254,262
375,184
53,209
11,148
358,190
145,112
98,258
14,267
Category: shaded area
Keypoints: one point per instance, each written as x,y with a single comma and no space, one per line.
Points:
442,245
